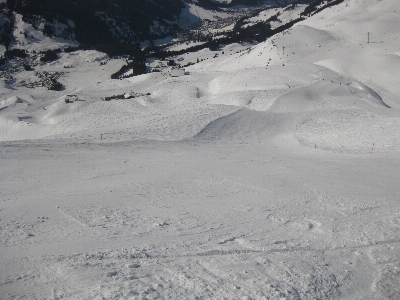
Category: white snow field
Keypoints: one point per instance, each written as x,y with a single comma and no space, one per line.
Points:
261,175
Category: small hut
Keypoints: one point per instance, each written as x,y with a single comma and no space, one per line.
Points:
71,98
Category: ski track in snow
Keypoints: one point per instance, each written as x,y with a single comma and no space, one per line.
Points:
261,175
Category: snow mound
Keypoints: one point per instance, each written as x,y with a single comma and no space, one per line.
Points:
300,100
313,97
12,100
56,111
366,94
334,115
245,125
240,99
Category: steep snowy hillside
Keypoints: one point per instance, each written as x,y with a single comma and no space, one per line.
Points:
115,25
98,21
268,171
94,23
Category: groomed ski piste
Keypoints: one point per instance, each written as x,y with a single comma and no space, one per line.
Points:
266,173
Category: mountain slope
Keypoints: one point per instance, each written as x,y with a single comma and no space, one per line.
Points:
101,21
268,171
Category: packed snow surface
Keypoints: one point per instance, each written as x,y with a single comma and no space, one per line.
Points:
270,172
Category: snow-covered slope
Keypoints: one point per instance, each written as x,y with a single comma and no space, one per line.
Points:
32,39
269,172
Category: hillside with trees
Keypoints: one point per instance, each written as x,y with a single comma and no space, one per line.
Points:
96,21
